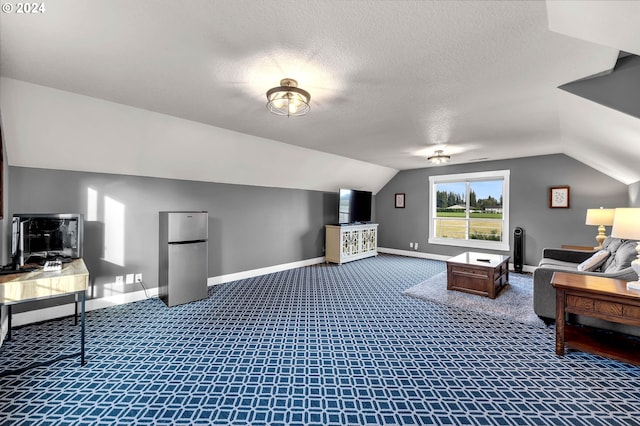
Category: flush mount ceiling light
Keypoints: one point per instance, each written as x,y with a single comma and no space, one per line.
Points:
438,157
288,99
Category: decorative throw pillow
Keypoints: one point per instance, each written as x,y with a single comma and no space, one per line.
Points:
610,244
594,262
621,258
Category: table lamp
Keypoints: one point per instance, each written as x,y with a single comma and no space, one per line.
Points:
626,224
600,218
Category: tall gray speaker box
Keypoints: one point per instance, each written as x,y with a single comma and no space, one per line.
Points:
518,249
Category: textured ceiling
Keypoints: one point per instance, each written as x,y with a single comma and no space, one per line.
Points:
390,81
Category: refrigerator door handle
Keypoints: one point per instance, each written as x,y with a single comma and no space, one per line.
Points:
187,242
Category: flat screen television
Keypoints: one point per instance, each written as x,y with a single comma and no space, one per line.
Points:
46,235
354,206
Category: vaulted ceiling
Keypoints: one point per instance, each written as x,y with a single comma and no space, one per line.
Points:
390,81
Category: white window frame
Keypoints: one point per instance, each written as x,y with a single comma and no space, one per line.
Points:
503,245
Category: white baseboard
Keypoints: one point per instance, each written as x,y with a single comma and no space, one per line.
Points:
411,253
220,279
525,268
60,311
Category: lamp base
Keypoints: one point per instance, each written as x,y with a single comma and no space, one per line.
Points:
600,237
635,265
633,285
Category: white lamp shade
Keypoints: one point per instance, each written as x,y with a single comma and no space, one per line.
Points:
626,223
600,216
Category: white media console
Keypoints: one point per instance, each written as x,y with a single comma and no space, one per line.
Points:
344,243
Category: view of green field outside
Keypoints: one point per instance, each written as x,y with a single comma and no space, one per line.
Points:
482,226
469,210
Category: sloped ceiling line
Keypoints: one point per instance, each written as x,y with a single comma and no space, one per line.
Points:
618,89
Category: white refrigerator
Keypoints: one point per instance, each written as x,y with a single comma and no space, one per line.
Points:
183,257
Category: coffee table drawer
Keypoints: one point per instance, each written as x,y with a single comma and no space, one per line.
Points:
469,282
470,272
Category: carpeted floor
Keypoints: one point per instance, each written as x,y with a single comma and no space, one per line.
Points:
321,345
513,303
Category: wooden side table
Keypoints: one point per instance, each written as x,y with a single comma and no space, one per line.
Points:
597,297
580,248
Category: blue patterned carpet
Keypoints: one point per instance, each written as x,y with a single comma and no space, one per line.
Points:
323,345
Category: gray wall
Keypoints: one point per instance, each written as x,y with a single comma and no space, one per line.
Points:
530,181
249,227
634,194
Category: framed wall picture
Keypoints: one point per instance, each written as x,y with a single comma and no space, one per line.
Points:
559,197
400,200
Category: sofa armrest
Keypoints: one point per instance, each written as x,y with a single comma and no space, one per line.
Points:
544,295
627,274
566,255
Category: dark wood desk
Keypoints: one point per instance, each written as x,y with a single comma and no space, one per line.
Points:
73,279
597,297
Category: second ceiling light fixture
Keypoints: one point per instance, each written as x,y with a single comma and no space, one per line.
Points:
439,157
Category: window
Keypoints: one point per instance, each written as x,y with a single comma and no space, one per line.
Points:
470,210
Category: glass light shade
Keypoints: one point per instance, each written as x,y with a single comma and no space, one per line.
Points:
438,157
288,99
600,216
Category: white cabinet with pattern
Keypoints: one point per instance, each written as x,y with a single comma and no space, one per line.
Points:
344,243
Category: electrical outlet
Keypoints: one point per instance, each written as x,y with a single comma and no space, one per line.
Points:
129,279
415,246
119,279
138,278
410,245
